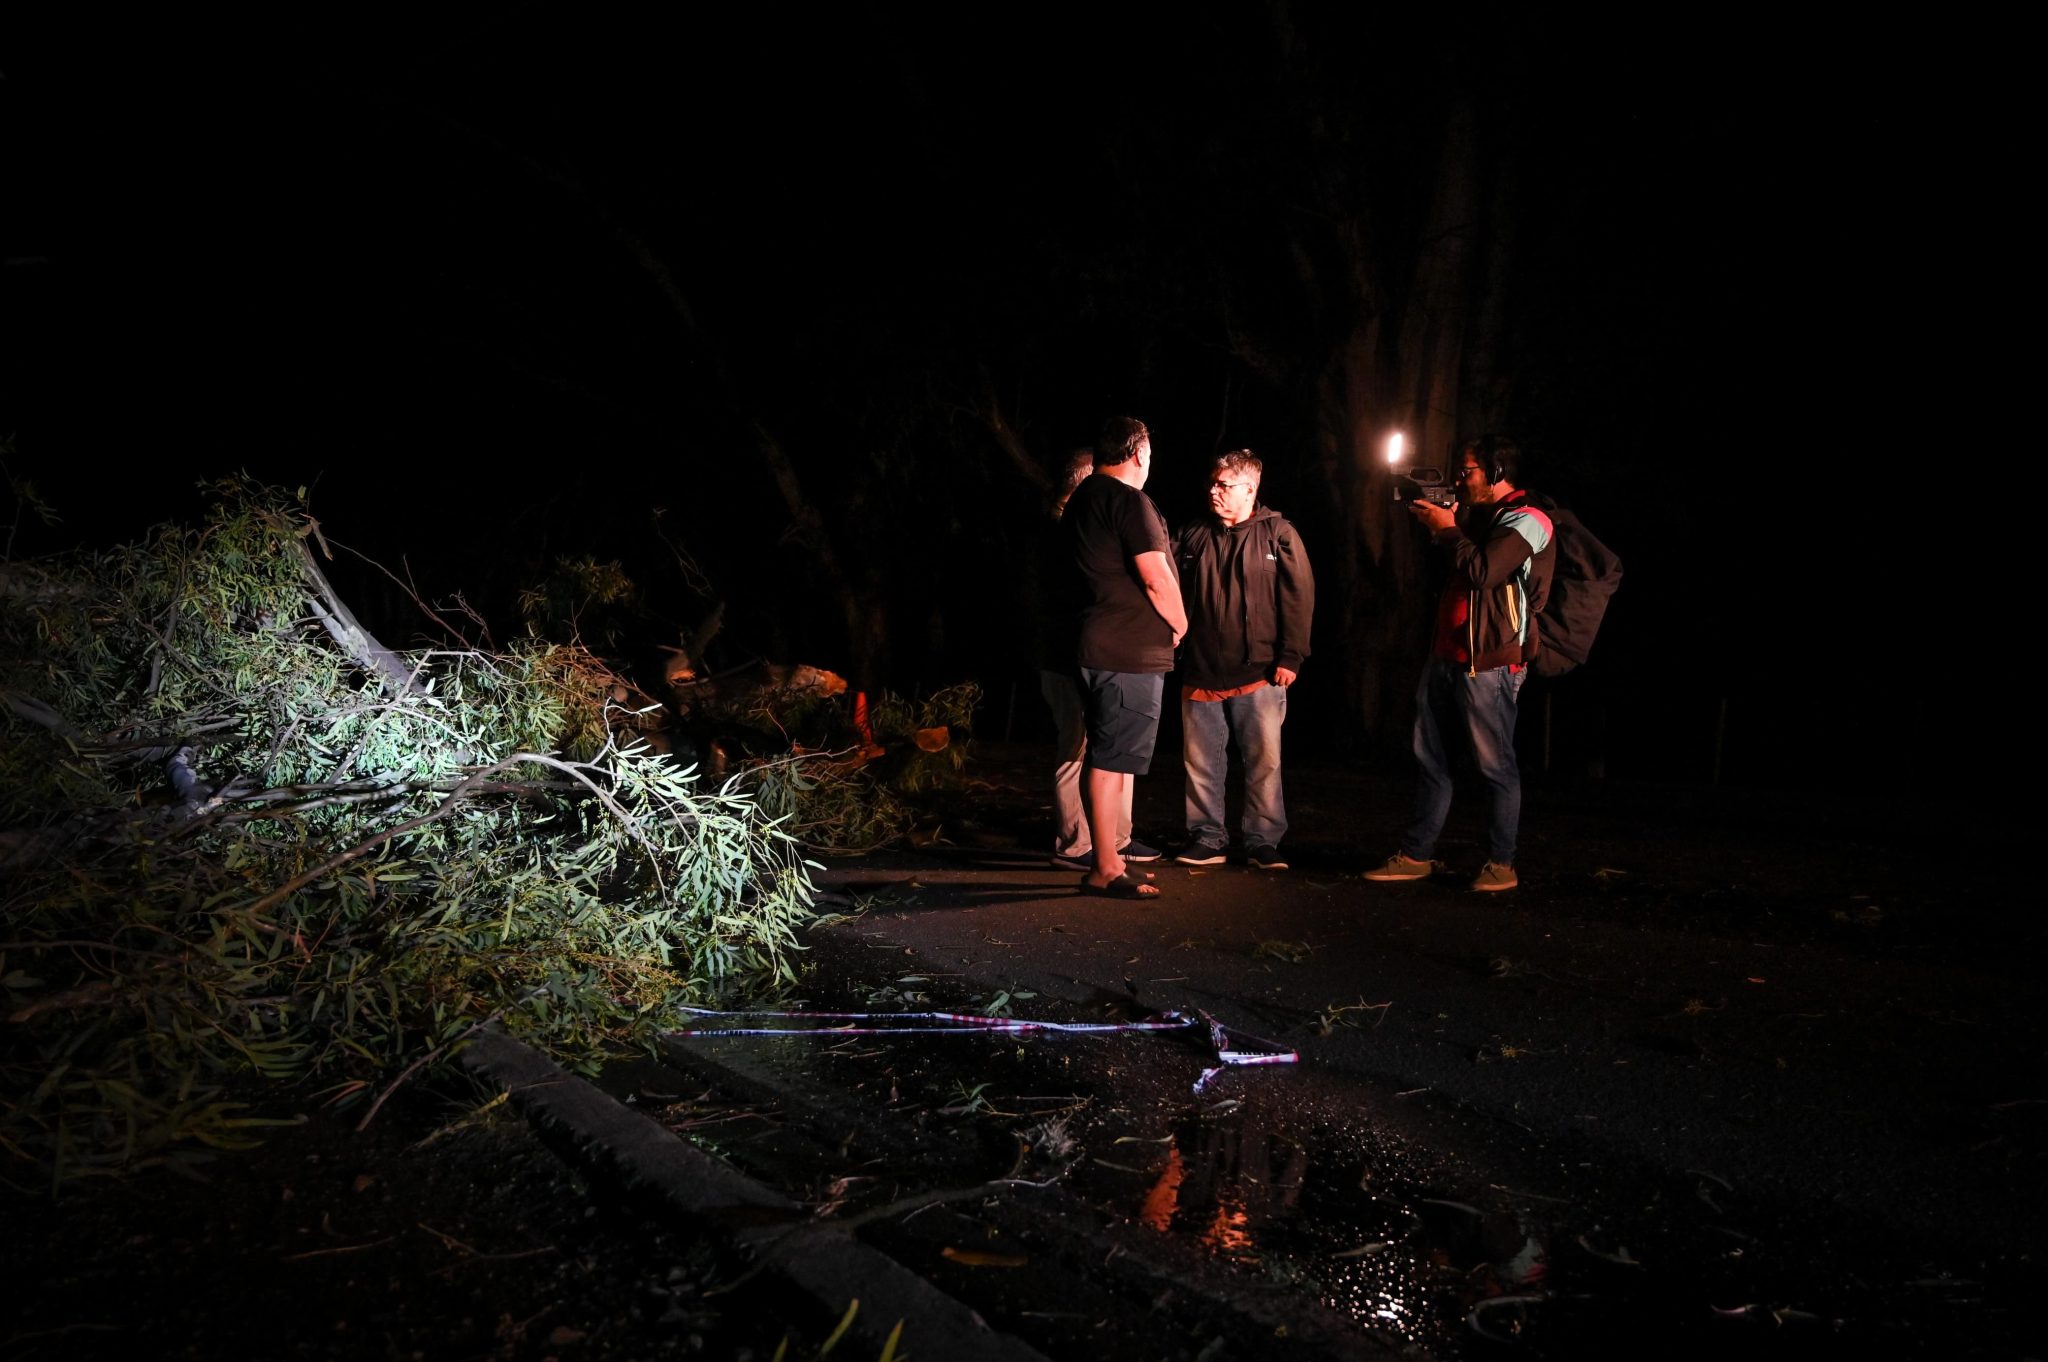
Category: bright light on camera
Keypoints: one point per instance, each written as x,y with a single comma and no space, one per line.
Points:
1420,483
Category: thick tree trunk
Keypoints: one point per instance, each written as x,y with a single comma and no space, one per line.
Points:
1401,368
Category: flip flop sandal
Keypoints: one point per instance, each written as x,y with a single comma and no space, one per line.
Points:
1122,887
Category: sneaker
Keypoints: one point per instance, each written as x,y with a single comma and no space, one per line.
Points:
1204,853
1084,861
1137,852
1266,858
1400,867
1493,877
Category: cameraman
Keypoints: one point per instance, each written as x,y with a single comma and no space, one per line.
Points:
1501,551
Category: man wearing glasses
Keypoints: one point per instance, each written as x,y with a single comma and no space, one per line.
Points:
1502,551
1250,598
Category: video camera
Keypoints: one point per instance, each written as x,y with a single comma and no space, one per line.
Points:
1425,484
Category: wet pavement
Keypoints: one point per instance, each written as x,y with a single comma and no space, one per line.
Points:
1727,1072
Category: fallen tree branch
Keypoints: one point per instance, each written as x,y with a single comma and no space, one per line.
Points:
442,1049
447,806
361,849
341,625
404,584
34,711
93,992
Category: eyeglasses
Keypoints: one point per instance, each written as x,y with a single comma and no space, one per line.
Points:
1226,486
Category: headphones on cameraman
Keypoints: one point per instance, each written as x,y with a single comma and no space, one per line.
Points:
1488,450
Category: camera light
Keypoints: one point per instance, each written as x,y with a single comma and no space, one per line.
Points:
1394,444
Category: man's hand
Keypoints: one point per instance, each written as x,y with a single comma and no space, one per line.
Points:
1283,677
1433,516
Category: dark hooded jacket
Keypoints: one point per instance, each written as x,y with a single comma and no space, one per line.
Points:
1250,596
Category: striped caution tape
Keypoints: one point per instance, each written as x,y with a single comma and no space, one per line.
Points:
927,1023
1228,1052
1232,1057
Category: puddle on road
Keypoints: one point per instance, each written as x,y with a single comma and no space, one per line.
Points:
1283,1196
1382,1251
1376,1230
1294,1184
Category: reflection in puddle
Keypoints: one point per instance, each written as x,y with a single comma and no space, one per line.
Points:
1224,1225
1227,1232
1164,1198
1221,1184
1393,1259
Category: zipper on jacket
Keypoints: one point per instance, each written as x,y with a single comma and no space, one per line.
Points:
1472,632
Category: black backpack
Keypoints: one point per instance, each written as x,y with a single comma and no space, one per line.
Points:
1582,581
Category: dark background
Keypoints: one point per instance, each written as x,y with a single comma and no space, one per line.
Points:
832,289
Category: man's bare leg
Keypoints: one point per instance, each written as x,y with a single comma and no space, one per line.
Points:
1109,793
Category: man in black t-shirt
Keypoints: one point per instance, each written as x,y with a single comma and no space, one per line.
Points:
1131,621
1058,638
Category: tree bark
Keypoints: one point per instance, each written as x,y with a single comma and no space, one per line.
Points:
1400,366
349,635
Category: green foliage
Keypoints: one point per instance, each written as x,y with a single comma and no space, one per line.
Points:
580,598
374,859
832,804
968,1101
999,1005
837,804
951,709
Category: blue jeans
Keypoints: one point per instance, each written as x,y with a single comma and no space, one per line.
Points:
1482,708
1206,730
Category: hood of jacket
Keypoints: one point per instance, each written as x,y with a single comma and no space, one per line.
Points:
1250,598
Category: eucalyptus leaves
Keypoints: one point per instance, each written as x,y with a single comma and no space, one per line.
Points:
238,836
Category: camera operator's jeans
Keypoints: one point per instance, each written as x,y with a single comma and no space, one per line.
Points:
1206,729
1482,707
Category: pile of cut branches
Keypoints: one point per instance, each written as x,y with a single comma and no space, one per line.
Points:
239,836
861,795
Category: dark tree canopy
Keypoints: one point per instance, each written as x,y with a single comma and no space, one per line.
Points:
833,289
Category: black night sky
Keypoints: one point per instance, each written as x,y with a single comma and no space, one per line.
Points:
499,280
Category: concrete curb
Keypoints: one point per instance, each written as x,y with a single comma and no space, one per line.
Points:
827,1265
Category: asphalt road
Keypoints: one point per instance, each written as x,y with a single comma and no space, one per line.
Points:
1737,1069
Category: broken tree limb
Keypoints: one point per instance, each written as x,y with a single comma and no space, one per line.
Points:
349,635
447,806
32,710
